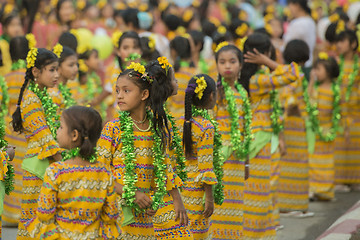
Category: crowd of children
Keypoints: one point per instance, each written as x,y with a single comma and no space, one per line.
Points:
201,119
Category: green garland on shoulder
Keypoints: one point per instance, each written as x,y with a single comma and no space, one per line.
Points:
9,176
130,178
65,92
277,112
19,64
241,148
49,107
352,75
75,152
313,113
177,144
218,159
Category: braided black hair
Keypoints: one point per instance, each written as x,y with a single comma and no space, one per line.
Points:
190,100
44,57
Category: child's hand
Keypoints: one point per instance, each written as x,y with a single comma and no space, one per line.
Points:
209,208
142,200
255,57
10,150
180,212
150,212
282,144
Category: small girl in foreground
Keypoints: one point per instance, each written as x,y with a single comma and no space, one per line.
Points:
77,199
201,152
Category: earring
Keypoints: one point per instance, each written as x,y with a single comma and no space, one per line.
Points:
35,79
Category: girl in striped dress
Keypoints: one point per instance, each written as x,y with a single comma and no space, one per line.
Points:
14,79
134,146
184,69
201,151
347,144
35,116
294,165
230,112
325,94
260,194
77,199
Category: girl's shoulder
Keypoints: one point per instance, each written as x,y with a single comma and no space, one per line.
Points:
30,97
201,124
60,168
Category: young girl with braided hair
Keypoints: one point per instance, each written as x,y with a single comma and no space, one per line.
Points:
135,146
77,199
202,143
36,117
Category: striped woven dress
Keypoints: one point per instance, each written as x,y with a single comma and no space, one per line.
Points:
347,152
12,202
110,152
4,158
227,219
321,162
176,103
294,166
40,143
260,194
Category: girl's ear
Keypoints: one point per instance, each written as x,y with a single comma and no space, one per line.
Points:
145,95
74,135
353,45
36,72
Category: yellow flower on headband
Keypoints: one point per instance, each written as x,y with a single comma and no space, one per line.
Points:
116,37
270,9
53,3
163,5
83,48
137,67
8,9
200,87
188,14
243,15
31,57
143,7
268,18
101,3
163,61
240,43
31,40
269,29
82,66
58,49
221,30
323,56
151,43
242,29
334,18
220,46
81,4
214,21
340,27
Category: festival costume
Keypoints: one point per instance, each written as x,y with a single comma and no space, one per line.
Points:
4,158
260,194
76,202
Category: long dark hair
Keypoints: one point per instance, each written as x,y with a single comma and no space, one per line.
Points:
19,46
192,100
129,34
159,91
181,46
239,55
260,42
44,57
87,121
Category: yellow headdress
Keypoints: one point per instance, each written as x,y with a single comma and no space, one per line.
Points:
58,48
116,37
323,56
82,66
151,43
164,63
340,27
31,57
242,29
220,46
188,14
221,29
200,87
31,40
137,67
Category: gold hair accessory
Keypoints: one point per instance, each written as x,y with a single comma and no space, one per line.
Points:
101,4
151,43
188,14
31,57
116,37
163,61
58,49
241,42
9,8
200,87
143,7
80,4
221,30
323,56
340,27
82,66
242,29
269,28
334,18
268,18
220,46
137,67
31,40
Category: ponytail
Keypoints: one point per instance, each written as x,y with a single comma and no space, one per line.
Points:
187,136
17,121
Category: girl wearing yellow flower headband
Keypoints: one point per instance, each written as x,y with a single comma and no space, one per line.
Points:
148,49
347,164
198,140
36,117
324,119
138,141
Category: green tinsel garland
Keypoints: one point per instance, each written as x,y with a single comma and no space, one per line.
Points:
130,178
75,152
65,92
49,107
277,112
19,64
352,75
240,148
218,159
177,144
313,113
9,176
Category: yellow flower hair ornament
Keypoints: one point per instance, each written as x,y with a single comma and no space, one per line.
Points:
334,18
323,56
31,40
137,67
9,8
58,49
101,4
81,4
340,27
221,30
269,28
220,46
242,29
31,57
188,14
82,66
151,43
200,87
116,37
164,63
240,43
